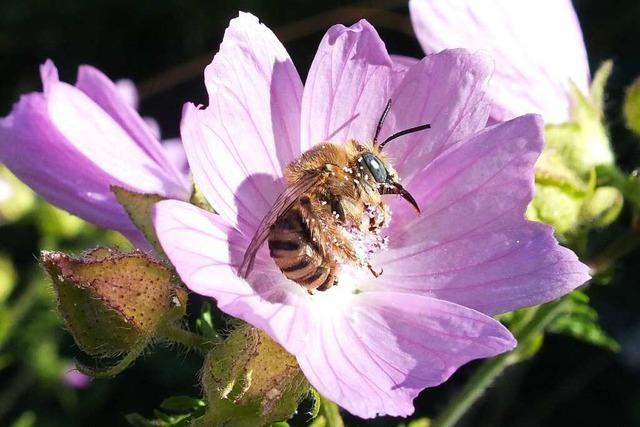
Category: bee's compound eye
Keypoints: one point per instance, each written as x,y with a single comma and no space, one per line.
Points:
376,167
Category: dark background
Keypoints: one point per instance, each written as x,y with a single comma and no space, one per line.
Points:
163,46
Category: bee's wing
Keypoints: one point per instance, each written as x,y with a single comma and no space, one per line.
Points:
284,201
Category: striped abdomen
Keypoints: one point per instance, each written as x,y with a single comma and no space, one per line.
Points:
297,256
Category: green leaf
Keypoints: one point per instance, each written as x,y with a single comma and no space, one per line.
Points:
138,206
27,419
8,277
631,108
329,414
17,200
181,403
137,420
204,323
420,422
580,321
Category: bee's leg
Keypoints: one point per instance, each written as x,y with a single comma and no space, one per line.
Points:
375,274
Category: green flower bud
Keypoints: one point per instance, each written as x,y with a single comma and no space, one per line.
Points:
583,142
557,207
113,302
250,380
603,207
631,108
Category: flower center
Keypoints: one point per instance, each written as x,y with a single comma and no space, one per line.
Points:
366,237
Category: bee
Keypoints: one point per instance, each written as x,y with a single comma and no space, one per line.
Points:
332,203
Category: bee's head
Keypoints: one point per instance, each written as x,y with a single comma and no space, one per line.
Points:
386,179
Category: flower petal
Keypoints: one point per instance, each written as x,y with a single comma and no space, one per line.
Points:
206,251
237,147
348,85
537,47
41,157
107,96
471,244
446,90
376,357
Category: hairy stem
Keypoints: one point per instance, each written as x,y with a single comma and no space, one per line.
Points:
173,332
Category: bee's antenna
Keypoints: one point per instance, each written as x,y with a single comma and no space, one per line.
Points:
403,132
381,121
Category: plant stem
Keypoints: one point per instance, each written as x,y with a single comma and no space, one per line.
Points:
490,369
175,333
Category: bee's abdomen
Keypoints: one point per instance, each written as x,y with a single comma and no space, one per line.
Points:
297,256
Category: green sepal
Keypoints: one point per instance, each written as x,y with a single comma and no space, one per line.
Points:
138,207
198,199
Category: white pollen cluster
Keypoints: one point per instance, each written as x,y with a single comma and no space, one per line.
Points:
365,240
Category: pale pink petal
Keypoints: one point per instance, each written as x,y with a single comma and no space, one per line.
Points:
70,151
238,146
128,92
375,357
206,251
369,352
471,244
174,150
40,156
446,90
537,47
98,137
403,63
105,94
348,85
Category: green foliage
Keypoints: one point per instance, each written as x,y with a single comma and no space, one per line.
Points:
16,199
580,321
327,413
631,107
204,323
419,422
567,196
177,411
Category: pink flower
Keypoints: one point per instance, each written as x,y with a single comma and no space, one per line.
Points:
73,378
537,47
71,143
369,344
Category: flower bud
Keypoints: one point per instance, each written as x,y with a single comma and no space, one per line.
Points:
113,302
603,207
251,379
631,107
